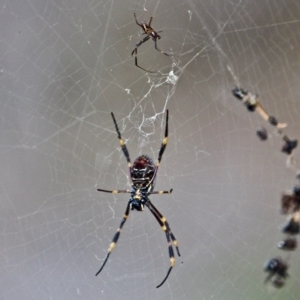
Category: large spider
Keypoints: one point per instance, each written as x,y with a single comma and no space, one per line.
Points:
142,175
150,33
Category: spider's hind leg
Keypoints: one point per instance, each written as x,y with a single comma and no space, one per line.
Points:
169,235
159,50
115,238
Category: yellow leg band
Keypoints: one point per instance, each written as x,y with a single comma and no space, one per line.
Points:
172,260
111,247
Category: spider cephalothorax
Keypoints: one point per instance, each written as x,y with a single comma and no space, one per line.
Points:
142,174
150,31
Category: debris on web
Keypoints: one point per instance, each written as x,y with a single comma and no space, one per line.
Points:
290,203
277,271
172,78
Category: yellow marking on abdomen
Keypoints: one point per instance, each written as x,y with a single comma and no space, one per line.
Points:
122,143
165,140
163,219
164,228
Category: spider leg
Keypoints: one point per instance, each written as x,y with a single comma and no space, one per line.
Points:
116,237
149,24
145,39
156,32
165,227
155,45
122,142
114,191
136,21
164,142
164,220
161,192
172,260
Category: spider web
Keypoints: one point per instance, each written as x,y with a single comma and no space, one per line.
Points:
65,65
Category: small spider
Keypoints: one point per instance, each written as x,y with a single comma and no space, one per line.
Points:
150,33
277,269
142,176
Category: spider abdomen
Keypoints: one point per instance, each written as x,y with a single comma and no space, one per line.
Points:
143,172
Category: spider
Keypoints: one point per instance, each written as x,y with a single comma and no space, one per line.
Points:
142,176
150,33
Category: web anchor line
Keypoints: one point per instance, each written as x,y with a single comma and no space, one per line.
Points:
277,267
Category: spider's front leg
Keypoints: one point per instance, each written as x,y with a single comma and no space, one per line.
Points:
136,21
161,192
115,191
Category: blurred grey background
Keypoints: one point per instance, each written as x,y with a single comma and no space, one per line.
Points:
64,66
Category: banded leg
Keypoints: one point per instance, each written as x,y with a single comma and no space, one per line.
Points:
165,227
122,142
114,191
116,237
171,252
161,192
164,220
145,39
164,142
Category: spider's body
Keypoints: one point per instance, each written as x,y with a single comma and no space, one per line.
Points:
142,175
149,31
150,34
